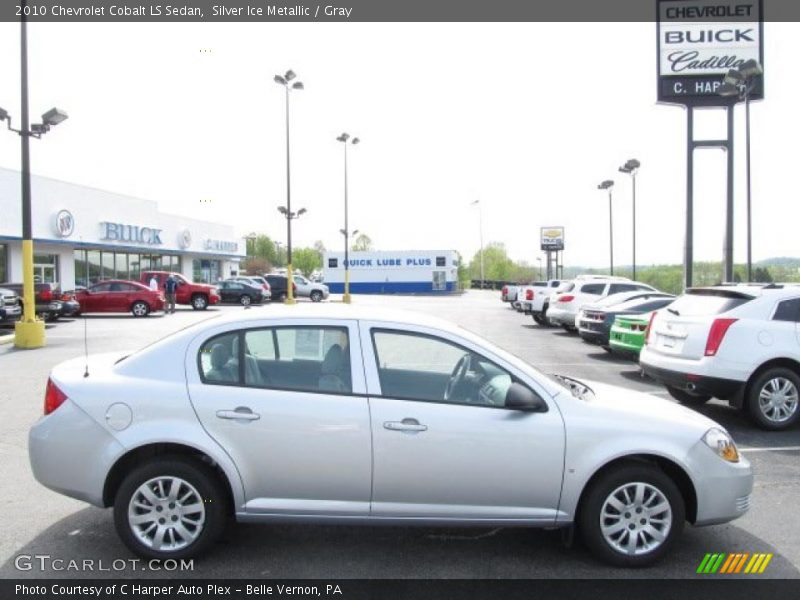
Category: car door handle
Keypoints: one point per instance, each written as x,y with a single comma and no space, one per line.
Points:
240,413
405,425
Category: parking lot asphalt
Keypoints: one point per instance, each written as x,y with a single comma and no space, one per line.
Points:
40,522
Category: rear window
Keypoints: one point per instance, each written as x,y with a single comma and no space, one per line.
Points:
539,284
701,303
593,288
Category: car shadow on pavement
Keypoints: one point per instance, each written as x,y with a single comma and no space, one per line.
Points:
323,551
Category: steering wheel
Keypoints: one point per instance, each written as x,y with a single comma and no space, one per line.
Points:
458,375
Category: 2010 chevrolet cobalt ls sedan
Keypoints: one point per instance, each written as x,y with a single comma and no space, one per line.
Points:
340,415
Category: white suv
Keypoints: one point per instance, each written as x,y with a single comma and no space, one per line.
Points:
564,307
737,343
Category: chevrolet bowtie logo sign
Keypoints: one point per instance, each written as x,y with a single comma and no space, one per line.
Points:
734,563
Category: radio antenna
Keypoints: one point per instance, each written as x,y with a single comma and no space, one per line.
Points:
85,347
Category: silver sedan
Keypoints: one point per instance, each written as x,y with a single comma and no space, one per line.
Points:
348,416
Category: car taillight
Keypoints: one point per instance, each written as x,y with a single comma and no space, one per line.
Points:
649,328
46,295
266,287
716,334
505,290
566,298
53,397
528,294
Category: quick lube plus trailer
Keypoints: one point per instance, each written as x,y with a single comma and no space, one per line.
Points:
401,272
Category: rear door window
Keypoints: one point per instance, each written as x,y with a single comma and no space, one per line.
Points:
593,288
787,310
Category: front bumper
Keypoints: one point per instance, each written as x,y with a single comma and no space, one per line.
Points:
726,389
71,453
214,299
9,314
723,489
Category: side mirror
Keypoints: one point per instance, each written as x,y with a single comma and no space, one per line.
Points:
519,397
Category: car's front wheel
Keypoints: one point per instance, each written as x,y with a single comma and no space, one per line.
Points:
245,300
140,309
772,399
172,507
316,296
199,302
631,515
687,398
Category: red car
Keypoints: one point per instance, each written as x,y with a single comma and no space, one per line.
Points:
120,296
198,295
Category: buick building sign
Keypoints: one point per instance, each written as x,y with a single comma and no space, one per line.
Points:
699,41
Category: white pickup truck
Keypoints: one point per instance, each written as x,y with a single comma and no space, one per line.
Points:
533,299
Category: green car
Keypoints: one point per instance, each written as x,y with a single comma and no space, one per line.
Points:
627,334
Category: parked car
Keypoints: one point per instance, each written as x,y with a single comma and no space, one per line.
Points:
279,285
595,320
71,306
508,293
10,307
309,289
535,297
626,337
241,292
564,310
115,295
735,343
48,305
196,295
256,280
414,420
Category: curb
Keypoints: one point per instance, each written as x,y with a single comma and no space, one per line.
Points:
6,339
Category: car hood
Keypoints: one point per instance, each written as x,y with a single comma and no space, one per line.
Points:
640,406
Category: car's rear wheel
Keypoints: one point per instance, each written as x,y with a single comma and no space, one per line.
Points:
140,309
687,398
316,296
539,320
569,328
772,399
199,302
631,515
282,297
172,507
245,300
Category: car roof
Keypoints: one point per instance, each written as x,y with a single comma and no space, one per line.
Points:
773,290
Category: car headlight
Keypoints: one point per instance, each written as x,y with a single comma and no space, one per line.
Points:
721,443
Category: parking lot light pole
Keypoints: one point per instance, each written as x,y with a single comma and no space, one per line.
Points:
286,81
631,167
608,184
480,232
740,83
539,260
346,231
29,332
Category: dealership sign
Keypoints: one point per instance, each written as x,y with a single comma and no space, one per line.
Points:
121,232
552,238
699,41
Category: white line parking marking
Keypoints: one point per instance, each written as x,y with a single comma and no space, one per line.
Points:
773,449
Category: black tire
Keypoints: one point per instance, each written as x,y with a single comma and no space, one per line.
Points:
764,382
590,517
316,296
192,472
140,309
539,320
46,316
687,398
569,329
245,300
282,297
199,302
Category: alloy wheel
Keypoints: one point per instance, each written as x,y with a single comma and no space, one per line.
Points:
635,518
778,399
166,514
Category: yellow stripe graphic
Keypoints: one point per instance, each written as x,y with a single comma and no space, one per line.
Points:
751,563
765,563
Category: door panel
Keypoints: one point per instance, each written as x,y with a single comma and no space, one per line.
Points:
298,452
471,462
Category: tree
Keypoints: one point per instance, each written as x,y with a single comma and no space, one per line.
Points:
762,275
254,265
363,243
496,263
320,247
306,260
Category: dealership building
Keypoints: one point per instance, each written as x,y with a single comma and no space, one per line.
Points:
83,235
400,272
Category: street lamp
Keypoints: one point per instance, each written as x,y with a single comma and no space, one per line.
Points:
608,184
740,83
480,231
346,298
286,81
539,260
28,333
631,167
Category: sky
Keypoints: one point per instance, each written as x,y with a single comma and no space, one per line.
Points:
526,117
